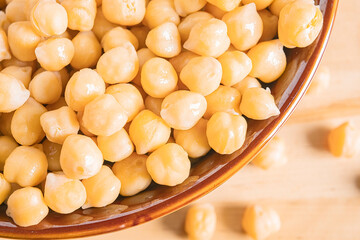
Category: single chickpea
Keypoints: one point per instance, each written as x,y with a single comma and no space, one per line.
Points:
226,132
5,123
101,24
208,38
268,60
119,65
223,99
87,50
25,124
62,194
270,23
277,5
55,53
245,26
127,13
185,7
225,5
259,222
236,66
133,174
101,189
164,40
49,18
321,81
81,14
144,55
153,104
343,141
58,104
26,166
200,222
52,152
26,206
116,38
299,24
4,46
159,12
273,155
80,157
148,132
59,124
7,145
16,11
23,40
190,21
180,61
182,109
115,147
248,82
104,116
202,75
214,10
5,188
13,93
260,4
21,73
258,104
169,165
158,77
128,97
140,33
194,140
46,87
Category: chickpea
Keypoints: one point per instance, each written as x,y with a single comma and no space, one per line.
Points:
273,155
153,104
115,147
133,174
25,124
62,194
16,11
23,40
270,23
202,75
194,140
260,4
55,53
180,61
81,14
245,26
164,40
4,46
87,50
101,189
248,82
268,60
46,87
185,7
190,21
343,141
26,166
299,24
4,21
140,32
321,81
277,5
58,104
116,38
159,12
80,158
128,97
101,24
226,132
260,222
223,99
144,55
158,77
104,116
82,128
182,109
5,123
208,38
214,10
13,93
128,13
148,132
258,104
200,222
26,206
7,145
236,66
225,5
119,65
21,73
52,152
5,188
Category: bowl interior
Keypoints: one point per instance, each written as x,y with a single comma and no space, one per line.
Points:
206,174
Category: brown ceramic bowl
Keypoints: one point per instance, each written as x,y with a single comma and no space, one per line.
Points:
206,174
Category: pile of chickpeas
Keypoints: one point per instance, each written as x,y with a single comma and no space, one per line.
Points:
100,98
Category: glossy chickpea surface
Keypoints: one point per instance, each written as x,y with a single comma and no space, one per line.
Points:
81,14
87,50
190,21
344,140
159,12
185,7
20,73
247,82
200,222
7,145
180,61
126,13
46,87
273,155
236,66
116,37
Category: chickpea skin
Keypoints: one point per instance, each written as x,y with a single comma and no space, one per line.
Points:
7,145
225,5
270,23
101,24
5,188
52,152
153,104
87,50
116,37
200,222
236,66
260,4
4,46
81,14
248,82
20,73
159,12
46,87
127,13
185,7
190,21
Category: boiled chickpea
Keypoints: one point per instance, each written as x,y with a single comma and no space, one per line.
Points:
260,4
236,66
144,55
144,123
214,10
190,21
4,46
258,104
80,158
268,60
81,14
248,82
26,166
343,141
140,33
5,188
5,123
273,155
180,61
82,128
185,7
116,37
46,87
182,109
52,152
62,194
225,5
126,13
16,11
101,189
200,222
159,12
208,38
21,73
101,24
164,40
26,206
153,104
7,145
119,65
277,5
270,23
202,75
87,50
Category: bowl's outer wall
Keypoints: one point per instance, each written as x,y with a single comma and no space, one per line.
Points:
206,174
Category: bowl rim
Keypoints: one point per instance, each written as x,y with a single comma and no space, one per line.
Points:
212,182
